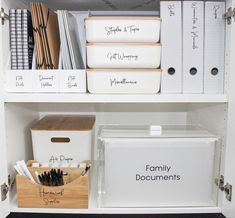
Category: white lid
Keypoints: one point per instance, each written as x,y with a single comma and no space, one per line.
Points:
165,131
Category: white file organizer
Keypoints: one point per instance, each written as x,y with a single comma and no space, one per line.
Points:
193,46
46,81
214,47
171,39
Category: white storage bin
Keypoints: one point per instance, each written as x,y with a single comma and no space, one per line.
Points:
121,55
63,138
144,166
122,29
123,81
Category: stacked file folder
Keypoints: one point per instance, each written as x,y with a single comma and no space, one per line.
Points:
46,34
192,38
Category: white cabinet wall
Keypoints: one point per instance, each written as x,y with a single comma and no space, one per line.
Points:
19,111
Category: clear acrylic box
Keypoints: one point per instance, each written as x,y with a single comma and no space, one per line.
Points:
157,166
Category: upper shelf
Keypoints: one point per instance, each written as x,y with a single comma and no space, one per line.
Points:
92,98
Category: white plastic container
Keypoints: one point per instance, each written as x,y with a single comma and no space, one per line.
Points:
123,81
144,166
63,139
123,55
122,29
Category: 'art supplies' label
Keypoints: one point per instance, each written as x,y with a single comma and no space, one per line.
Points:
60,158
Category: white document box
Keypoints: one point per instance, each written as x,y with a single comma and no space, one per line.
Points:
171,39
214,48
122,29
149,167
123,81
123,55
193,46
63,138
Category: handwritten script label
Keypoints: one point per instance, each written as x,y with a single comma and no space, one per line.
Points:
121,57
50,197
19,81
215,11
71,82
124,81
60,158
194,32
113,30
46,81
171,9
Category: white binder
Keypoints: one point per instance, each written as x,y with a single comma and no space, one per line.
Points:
214,47
171,40
193,36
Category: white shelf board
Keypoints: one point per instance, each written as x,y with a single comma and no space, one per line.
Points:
114,98
165,210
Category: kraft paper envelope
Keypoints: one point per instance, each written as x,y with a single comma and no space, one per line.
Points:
44,37
52,33
38,40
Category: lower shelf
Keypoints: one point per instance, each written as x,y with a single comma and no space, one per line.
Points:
93,210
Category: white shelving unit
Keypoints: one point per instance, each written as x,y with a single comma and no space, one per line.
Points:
19,111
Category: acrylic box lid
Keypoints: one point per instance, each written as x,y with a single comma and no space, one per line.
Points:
154,131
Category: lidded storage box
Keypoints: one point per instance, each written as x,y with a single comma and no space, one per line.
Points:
123,55
122,29
63,138
151,166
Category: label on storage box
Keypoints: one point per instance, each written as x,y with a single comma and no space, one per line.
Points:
19,81
50,196
122,30
118,29
73,81
114,82
122,56
158,173
46,81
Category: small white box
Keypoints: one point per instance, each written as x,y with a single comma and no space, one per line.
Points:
63,138
19,81
123,55
73,81
45,81
123,81
122,29
176,168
